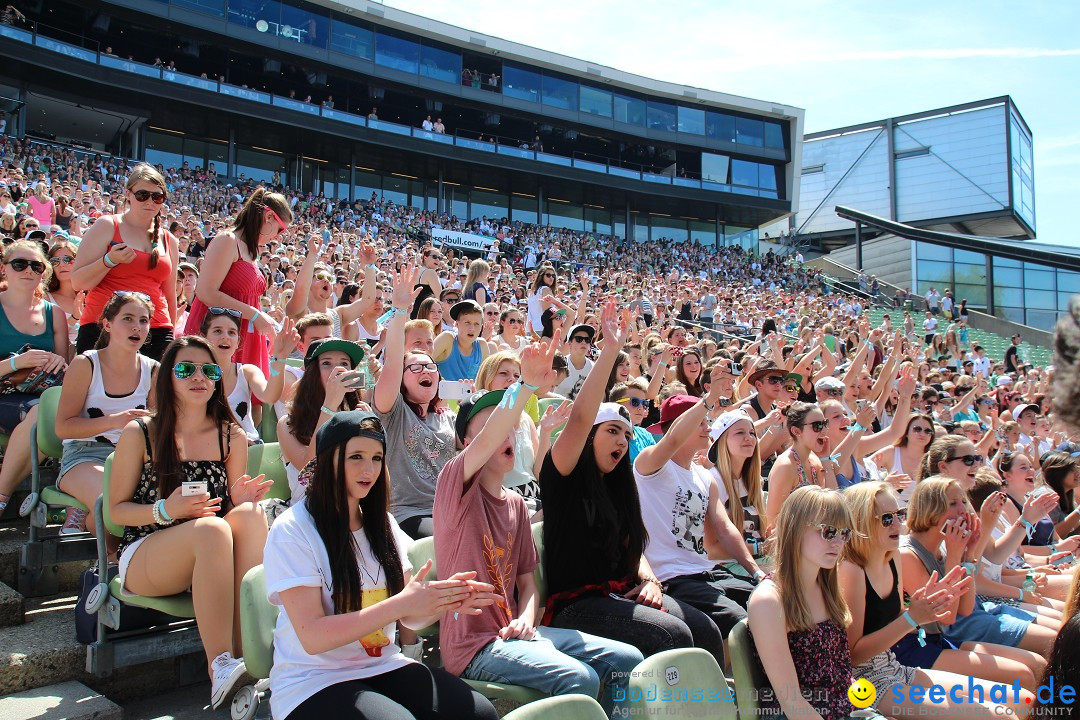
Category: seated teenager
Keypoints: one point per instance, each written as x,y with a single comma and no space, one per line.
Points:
337,566
460,353
871,580
478,522
104,390
312,327
173,541
800,465
599,578
245,383
323,390
683,517
421,432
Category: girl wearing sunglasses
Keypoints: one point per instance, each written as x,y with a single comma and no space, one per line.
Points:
174,540
230,278
798,618
800,465
944,532
314,291
245,384
104,390
905,456
543,285
131,251
60,290
420,431
884,648
43,345
511,335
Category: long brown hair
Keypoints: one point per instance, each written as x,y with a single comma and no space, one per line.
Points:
144,172
249,220
329,506
307,403
54,281
167,463
113,307
750,473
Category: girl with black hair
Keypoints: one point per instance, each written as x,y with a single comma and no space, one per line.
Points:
130,251
173,540
230,277
104,390
336,565
599,580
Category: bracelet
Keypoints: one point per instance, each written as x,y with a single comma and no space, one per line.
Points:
161,509
655,581
371,266
1029,528
708,408
857,428
11,361
108,263
758,576
661,364
327,410
159,516
912,623
970,567
390,314
251,321
274,372
1021,598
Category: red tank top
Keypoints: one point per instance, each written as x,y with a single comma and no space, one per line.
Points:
135,276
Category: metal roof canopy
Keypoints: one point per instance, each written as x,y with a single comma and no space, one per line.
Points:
974,243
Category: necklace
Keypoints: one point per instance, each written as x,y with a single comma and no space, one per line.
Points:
802,472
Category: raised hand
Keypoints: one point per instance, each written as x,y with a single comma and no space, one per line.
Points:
556,416
367,253
286,339
249,489
404,282
536,361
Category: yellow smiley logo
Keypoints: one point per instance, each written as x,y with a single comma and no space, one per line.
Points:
862,693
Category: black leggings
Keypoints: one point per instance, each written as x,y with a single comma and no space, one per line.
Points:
412,692
418,526
154,346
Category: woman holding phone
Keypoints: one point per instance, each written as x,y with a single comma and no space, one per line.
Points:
327,386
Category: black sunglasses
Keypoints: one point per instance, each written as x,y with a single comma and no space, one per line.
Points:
969,460
775,379
144,195
226,311
817,425
580,339
417,368
20,264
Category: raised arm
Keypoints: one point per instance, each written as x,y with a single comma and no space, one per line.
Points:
388,385
651,459
362,304
297,306
568,446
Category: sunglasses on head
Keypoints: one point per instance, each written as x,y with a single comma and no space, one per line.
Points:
143,195
830,532
185,369
817,425
887,519
969,460
133,294
20,264
226,311
636,403
417,368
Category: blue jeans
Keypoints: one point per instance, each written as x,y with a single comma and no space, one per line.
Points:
559,662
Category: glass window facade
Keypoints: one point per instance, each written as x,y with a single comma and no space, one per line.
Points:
523,209
304,26
521,83
263,16
774,135
749,132
691,120
595,101
661,116
720,126
210,7
1022,292
560,93
440,64
629,110
397,52
1023,171
352,39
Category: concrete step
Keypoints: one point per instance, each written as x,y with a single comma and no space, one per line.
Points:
12,606
63,701
43,650
13,535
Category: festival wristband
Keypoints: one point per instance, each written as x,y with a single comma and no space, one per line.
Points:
389,315
11,361
327,410
919,629
1021,598
108,263
161,509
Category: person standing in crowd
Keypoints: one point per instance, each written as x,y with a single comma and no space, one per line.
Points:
230,278
131,252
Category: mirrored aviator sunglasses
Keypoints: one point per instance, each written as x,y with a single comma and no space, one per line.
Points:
889,518
830,532
183,370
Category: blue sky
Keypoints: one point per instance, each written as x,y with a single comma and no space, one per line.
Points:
844,62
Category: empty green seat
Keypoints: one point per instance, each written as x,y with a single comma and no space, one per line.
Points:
680,683
561,707
267,460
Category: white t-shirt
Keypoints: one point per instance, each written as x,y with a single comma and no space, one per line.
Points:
673,505
295,556
573,382
752,523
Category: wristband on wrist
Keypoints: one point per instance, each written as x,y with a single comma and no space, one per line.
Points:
161,509
327,410
1021,598
159,515
11,361
911,621
108,263
661,364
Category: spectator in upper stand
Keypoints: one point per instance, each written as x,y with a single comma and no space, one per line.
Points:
933,300
374,114
427,125
536,144
439,127
1012,360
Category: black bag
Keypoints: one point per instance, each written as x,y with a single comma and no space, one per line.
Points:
132,618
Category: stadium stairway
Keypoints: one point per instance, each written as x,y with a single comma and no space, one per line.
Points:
994,344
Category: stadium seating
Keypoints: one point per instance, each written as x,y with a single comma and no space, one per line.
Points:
680,683
266,459
258,617
749,678
42,554
560,707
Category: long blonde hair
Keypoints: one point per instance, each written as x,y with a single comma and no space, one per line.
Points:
33,247
477,270
862,502
486,373
929,502
805,508
750,474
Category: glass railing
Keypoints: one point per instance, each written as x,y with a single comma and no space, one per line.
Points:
593,164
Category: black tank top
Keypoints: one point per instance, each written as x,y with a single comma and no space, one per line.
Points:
880,611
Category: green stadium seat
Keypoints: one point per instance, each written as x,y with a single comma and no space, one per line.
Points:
750,680
680,683
561,707
266,459
258,617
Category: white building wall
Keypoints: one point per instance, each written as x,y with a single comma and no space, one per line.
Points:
865,187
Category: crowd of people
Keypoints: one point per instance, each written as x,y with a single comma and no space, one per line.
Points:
708,435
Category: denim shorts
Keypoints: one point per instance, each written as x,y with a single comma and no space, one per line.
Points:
77,452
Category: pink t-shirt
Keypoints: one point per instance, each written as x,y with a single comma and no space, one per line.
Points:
42,211
476,531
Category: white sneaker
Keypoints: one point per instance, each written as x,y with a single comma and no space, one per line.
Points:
226,670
